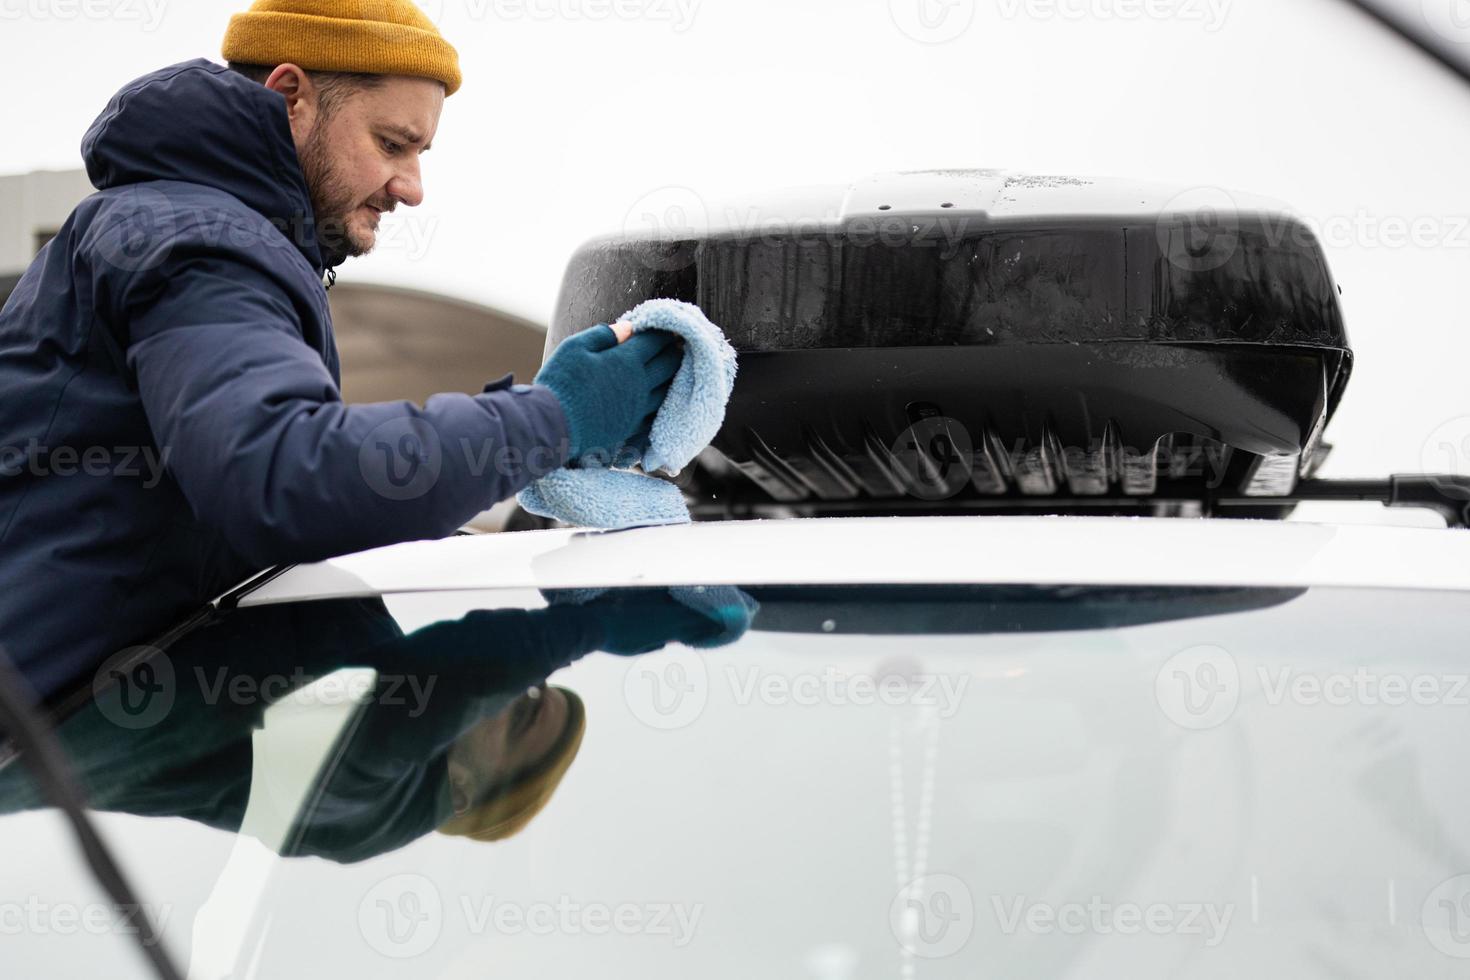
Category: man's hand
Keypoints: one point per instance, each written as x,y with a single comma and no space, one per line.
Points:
644,620
610,386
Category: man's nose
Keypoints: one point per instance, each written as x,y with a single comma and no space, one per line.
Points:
408,186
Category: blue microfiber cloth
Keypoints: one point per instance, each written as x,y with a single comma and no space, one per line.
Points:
691,415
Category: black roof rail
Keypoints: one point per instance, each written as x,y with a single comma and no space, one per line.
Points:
1445,494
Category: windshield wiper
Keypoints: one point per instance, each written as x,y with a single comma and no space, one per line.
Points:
41,751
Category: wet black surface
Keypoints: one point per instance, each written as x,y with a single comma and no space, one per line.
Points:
1052,355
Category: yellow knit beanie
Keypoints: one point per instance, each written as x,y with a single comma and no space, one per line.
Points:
509,810
375,37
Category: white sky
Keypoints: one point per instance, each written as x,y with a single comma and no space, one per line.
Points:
567,120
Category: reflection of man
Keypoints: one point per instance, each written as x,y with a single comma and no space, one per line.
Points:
476,752
485,783
530,747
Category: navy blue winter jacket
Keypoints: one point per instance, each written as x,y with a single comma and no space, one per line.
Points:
170,412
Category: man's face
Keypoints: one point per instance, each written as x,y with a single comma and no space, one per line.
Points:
483,758
361,159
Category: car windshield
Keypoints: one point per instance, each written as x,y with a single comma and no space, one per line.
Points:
829,782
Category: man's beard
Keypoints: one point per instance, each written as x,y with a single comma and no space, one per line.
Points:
331,202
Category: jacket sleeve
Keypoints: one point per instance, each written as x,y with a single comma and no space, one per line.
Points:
253,428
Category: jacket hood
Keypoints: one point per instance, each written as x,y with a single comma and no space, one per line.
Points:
202,123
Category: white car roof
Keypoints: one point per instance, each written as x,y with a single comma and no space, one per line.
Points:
902,550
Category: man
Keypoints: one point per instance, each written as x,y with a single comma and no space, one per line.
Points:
170,413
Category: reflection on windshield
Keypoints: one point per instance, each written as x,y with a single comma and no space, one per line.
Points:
454,729
951,781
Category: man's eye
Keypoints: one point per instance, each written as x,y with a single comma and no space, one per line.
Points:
391,146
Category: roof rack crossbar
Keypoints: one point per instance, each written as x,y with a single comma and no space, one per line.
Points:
1446,495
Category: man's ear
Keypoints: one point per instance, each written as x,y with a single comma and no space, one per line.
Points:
303,99
459,796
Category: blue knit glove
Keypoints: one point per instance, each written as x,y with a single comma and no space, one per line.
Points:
610,392
638,621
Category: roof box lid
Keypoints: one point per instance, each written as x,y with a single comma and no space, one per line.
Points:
1070,330
966,257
